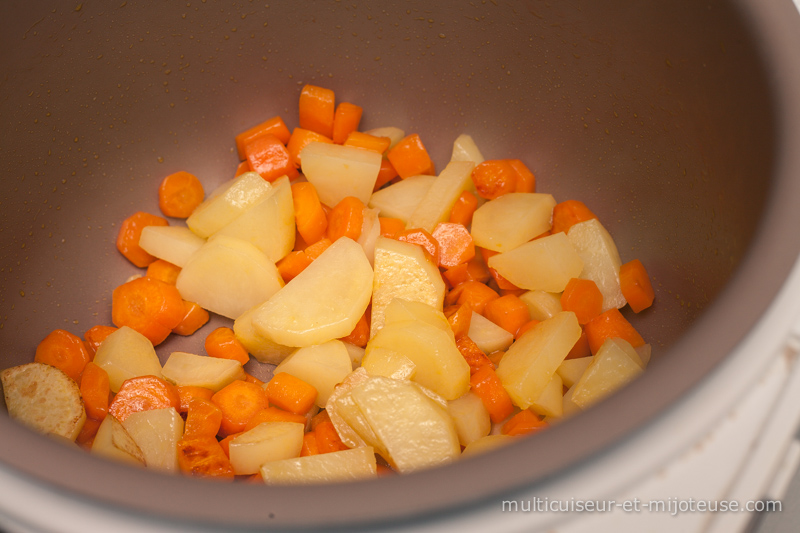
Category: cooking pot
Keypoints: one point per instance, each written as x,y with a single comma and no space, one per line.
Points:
677,122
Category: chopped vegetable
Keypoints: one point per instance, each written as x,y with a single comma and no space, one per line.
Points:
180,194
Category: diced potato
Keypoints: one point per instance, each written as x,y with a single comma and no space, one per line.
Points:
465,149
403,271
487,443
322,366
346,465
571,370
615,364
645,351
269,223
511,220
437,203
127,354
228,276
350,423
416,431
260,346
439,366
383,361
356,354
338,171
268,441
570,407
156,432
174,244
370,231
114,442
400,199
401,310
541,305
395,134
324,302
227,202
529,364
212,373
601,261
44,398
545,264
470,417
487,335
550,401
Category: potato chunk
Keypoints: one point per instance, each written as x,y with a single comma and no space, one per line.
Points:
260,346
338,171
44,398
322,366
601,261
227,202
615,364
174,244
511,220
127,354
114,442
437,203
346,465
399,200
268,441
156,432
202,371
545,264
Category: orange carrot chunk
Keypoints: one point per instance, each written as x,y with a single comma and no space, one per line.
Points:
360,334
475,294
508,312
88,432
346,119
609,325
95,335
386,174
291,265
309,216
317,109
194,318
636,286
390,227
580,348
204,457
410,158
203,419
523,423
239,401
291,393
346,219
494,178
179,194
300,139
129,233
328,439
95,391
463,209
268,156
369,142
489,389
473,355
455,244
222,343
241,168
143,393
526,181
309,445
421,238
273,414
149,306
274,126
64,351
568,213
582,297
190,393
526,327
459,317
163,270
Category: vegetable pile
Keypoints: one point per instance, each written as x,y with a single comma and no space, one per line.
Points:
413,317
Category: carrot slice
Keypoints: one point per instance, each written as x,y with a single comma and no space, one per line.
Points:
204,457
473,293
346,219
360,334
95,391
523,423
390,227
368,142
273,126
636,286
129,233
526,327
179,194
455,244
473,270
222,343
241,168
568,213
95,335
474,356
580,348
459,317
300,139
190,393
494,178
309,445
346,119
409,157
64,351
315,250
291,265
203,419
291,393
317,109
526,181
328,439
609,325
489,389
508,312
582,297
88,432
502,283
149,306
310,218
268,156
386,174
163,270
194,318
422,238
463,209
143,393
239,401
273,414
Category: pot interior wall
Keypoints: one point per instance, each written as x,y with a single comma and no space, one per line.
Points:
656,114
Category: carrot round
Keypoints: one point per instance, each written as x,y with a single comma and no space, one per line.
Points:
274,126
508,312
222,343
203,418
317,110
390,227
268,156
129,233
64,351
455,244
179,194
204,457
190,393
409,157
568,213
489,389
526,327
241,168
95,391
346,119
459,317
346,219
473,293
582,297
149,306
291,393
526,181
472,354
96,335
523,423
360,334
310,218
194,318
291,265
636,286
609,325
421,238
494,178
328,439
386,174
463,209
143,393
163,270
239,401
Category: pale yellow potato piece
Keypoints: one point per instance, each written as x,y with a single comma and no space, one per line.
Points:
645,352
401,310
228,276
156,432
345,416
487,335
322,366
601,261
400,199
269,224
465,149
403,271
615,364
529,364
470,417
383,361
44,398
569,407
324,302
213,373
346,465
338,171
416,431
487,443
541,305
395,134
260,346
174,244
550,401
545,264
356,354
127,354
370,231
511,220
113,442
437,203
227,202
268,441
571,370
